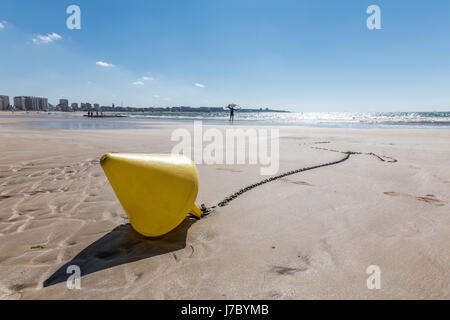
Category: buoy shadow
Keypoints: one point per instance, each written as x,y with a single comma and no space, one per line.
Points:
122,245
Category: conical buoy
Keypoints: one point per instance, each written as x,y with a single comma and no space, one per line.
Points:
157,191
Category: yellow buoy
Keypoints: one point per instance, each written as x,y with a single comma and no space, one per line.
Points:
157,191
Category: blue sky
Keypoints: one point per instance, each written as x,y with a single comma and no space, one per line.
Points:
297,55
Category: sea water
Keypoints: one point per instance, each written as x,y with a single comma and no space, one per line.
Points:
315,119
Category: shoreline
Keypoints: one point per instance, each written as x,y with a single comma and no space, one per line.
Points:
80,116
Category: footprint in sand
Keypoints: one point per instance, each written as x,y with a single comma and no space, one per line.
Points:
304,265
429,198
286,271
187,252
301,183
273,294
18,288
36,192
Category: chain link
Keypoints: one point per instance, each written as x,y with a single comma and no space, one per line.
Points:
208,210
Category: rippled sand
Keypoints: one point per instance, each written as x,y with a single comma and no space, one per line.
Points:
309,235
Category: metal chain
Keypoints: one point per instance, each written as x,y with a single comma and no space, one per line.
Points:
208,210
381,158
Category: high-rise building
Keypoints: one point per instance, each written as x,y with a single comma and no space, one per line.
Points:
31,103
19,103
43,104
64,104
4,102
74,106
86,106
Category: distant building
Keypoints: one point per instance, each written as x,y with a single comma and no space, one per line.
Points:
96,107
19,103
64,104
4,102
36,103
43,104
74,106
31,103
216,109
185,109
85,106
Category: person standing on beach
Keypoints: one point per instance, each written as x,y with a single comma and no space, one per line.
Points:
232,108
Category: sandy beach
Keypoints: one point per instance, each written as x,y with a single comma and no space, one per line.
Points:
311,235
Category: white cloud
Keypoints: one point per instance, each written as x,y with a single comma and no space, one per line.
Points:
156,96
104,64
199,85
3,25
140,81
49,38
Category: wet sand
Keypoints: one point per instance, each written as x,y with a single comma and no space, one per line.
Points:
311,235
